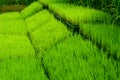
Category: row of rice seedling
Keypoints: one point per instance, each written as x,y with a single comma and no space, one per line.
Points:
77,14
13,27
34,22
14,46
31,9
76,59
49,31
21,69
45,31
106,35
10,16
17,54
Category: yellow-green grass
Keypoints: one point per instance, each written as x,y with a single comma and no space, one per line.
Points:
34,22
13,27
10,16
49,34
106,35
15,46
31,9
76,59
76,14
21,69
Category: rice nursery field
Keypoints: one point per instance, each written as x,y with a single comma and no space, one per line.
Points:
41,43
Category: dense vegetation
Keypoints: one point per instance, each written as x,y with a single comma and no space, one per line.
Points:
32,9
41,43
78,14
17,2
62,61
50,30
94,24
110,6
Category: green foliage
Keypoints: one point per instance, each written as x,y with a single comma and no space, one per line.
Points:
49,34
78,14
15,46
76,59
21,69
31,9
13,27
10,16
34,22
107,35
12,23
110,6
64,57
17,2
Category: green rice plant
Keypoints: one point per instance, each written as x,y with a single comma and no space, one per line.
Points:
13,27
78,14
76,59
107,35
34,22
49,34
21,69
10,16
31,9
15,46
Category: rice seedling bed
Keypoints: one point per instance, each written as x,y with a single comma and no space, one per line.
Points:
48,34
10,16
48,51
35,22
21,69
107,36
77,59
104,40
15,46
17,53
13,27
31,9
78,14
